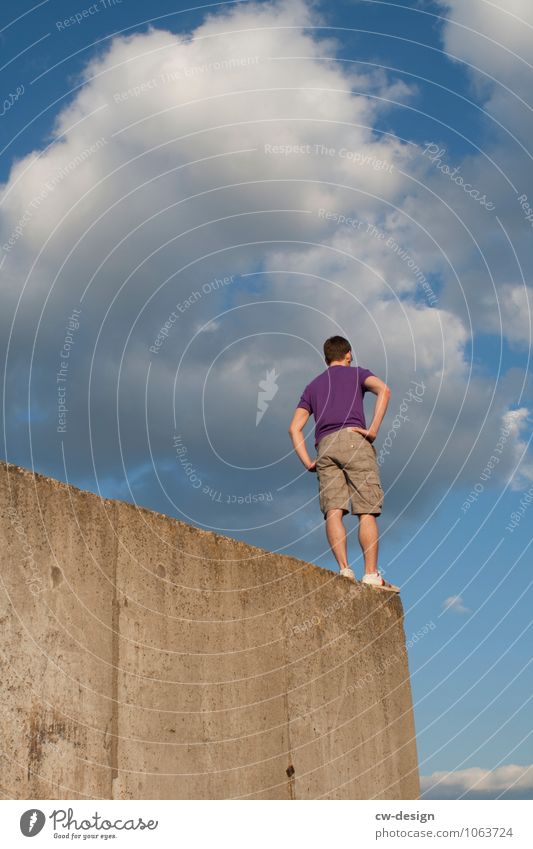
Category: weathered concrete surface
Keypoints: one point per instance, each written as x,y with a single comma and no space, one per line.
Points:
142,658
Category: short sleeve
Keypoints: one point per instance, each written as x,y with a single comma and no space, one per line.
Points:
363,374
305,400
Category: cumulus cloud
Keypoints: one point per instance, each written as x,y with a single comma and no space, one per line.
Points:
216,203
455,604
492,43
495,41
503,782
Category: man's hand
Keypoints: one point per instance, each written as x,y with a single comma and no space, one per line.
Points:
312,467
367,433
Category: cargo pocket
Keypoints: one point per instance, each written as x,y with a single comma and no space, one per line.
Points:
373,491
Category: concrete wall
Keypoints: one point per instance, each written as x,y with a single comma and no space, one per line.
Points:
142,658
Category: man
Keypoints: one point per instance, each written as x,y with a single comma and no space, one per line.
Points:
346,464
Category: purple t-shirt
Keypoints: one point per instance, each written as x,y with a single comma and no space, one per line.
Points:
335,398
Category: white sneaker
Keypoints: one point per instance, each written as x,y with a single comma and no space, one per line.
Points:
347,573
375,579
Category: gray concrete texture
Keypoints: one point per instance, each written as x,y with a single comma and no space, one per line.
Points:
142,658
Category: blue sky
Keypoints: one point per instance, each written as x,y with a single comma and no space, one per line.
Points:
175,189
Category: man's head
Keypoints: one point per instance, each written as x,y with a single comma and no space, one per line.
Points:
337,351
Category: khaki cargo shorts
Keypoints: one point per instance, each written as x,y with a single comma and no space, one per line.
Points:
348,473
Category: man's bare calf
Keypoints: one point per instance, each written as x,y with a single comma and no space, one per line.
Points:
368,539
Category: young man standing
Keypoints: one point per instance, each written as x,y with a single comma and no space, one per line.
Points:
346,464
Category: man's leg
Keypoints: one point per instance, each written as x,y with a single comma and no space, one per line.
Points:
336,534
369,541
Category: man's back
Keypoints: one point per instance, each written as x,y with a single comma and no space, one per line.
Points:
335,398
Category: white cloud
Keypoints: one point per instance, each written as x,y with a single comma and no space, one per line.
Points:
495,40
493,44
455,604
219,152
484,783
494,37
211,327
510,309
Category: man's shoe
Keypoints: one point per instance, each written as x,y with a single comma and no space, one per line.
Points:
375,579
347,573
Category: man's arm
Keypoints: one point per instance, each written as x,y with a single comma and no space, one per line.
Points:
298,439
379,388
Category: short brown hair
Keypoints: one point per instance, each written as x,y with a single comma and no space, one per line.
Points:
336,348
